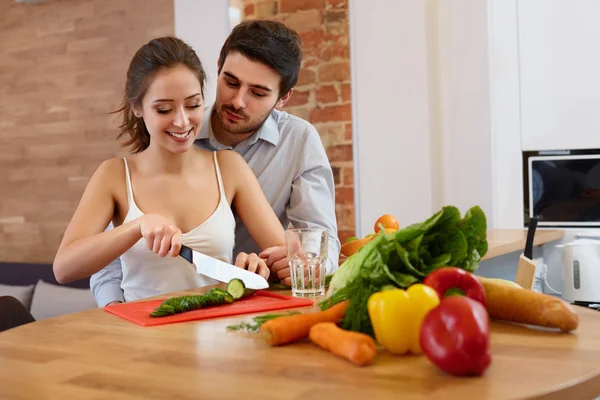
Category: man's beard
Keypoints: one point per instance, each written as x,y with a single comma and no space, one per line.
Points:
241,127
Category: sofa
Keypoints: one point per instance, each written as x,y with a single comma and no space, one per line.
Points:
34,285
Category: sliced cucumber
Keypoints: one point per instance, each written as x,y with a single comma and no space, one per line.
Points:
218,291
214,297
226,295
236,288
248,292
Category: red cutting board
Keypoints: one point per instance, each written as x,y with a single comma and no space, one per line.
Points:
139,312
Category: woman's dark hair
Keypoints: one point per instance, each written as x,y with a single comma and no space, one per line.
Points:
268,42
155,56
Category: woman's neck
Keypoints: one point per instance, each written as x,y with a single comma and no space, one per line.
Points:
160,159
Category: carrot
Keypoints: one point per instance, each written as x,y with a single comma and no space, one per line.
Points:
354,346
288,329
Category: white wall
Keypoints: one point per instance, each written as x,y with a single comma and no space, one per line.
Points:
391,111
464,105
505,117
480,108
559,65
436,109
204,25
544,63
440,104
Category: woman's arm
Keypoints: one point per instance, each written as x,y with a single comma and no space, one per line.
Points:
86,248
250,202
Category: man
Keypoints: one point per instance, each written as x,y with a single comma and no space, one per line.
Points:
258,68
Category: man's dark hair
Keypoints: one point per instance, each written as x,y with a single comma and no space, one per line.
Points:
268,42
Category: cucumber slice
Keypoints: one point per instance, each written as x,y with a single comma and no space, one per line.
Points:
236,288
218,291
248,292
228,298
216,299
226,295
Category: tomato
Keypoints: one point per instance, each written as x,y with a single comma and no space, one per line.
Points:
388,221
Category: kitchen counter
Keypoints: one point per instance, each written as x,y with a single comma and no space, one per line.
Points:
95,354
505,241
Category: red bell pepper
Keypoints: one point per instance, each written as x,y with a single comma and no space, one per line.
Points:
455,336
446,278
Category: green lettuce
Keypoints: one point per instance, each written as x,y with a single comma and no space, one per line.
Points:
405,257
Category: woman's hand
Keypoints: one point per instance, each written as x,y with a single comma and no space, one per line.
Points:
252,263
161,234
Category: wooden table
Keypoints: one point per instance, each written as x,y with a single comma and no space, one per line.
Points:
505,241
96,355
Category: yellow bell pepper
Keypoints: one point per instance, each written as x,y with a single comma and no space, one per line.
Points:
397,315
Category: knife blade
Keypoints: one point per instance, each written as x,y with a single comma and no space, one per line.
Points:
222,271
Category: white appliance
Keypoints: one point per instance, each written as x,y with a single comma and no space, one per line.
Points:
581,270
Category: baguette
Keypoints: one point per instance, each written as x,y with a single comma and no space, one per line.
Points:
525,306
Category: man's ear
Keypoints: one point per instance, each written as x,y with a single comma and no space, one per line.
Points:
279,105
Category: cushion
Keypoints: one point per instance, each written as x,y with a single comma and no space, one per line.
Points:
21,293
51,300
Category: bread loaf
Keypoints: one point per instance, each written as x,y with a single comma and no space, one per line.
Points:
525,306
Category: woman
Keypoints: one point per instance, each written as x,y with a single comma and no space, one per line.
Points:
168,193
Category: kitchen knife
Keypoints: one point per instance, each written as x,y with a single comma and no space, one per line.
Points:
526,269
530,235
222,271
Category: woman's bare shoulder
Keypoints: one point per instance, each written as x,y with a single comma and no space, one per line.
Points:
234,170
110,174
111,168
230,159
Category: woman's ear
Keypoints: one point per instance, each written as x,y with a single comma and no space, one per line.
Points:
281,102
136,111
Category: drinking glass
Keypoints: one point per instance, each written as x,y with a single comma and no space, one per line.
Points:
307,257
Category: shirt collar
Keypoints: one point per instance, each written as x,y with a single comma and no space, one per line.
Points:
268,132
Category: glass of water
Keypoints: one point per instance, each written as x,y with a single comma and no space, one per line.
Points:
307,256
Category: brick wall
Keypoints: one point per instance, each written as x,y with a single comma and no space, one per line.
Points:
323,92
62,69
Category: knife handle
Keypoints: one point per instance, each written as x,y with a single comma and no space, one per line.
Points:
186,253
528,252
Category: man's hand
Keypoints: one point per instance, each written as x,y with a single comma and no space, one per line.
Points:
276,259
252,263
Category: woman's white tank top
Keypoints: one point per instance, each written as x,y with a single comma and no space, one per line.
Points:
146,274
